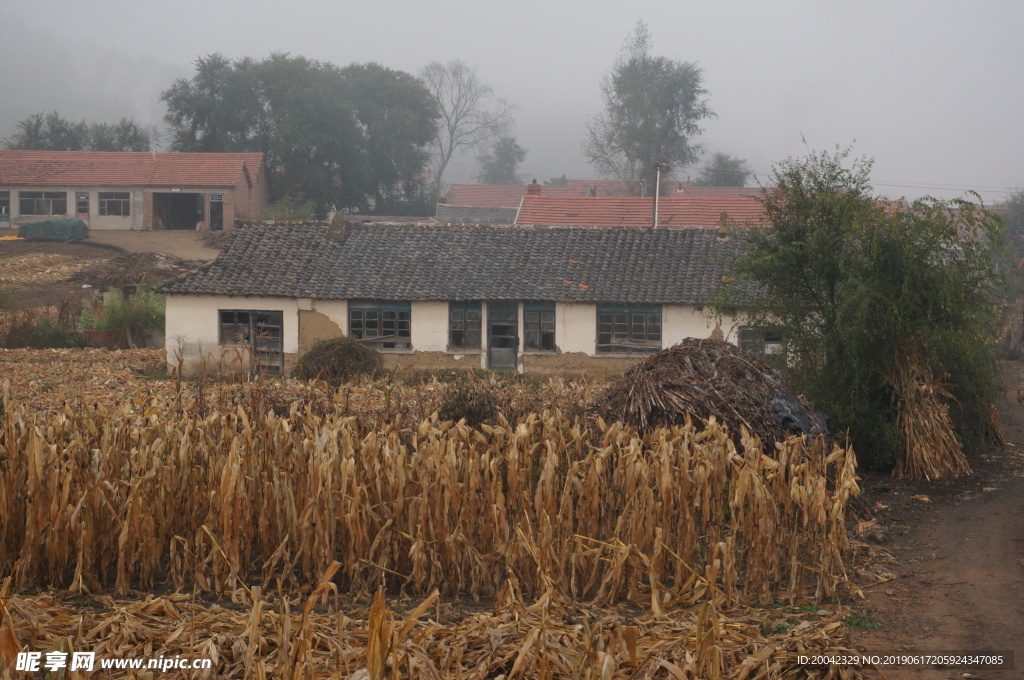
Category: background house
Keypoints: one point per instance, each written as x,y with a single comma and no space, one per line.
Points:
731,210
532,299
133,190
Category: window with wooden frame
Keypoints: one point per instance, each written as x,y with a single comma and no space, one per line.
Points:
539,326
115,203
42,203
763,342
259,331
464,325
385,325
628,329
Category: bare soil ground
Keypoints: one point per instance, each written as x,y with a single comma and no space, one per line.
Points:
188,245
960,568
36,274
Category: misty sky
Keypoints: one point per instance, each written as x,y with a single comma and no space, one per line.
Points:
930,89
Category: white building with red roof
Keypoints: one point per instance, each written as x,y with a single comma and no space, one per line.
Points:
132,190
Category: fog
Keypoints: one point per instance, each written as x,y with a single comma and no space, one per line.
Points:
930,90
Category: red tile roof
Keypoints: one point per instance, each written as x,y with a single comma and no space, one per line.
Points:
503,195
689,191
638,212
92,168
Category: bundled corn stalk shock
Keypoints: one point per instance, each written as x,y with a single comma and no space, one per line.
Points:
146,496
710,378
931,450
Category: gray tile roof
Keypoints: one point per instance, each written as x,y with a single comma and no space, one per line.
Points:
444,262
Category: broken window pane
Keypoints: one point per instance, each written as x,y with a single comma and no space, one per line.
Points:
385,325
634,329
464,325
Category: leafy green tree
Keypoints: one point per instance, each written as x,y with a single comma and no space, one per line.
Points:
53,132
397,116
499,162
351,138
653,108
851,283
470,114
723,170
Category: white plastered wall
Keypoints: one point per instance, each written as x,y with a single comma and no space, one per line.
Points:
679,322
576,327
193,328
429,326
94,219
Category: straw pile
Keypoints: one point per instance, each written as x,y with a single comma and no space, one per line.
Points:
705,379
260,634
930,448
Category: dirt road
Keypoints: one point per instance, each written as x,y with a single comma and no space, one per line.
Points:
960,584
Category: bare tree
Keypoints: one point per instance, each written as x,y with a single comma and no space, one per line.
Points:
470,113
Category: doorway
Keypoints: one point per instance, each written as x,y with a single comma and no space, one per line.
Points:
177,211
502,335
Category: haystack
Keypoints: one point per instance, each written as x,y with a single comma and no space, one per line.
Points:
707,378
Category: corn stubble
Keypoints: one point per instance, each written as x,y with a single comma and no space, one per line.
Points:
552,510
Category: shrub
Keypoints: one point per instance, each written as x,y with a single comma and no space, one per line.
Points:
477,401
37,331
338,359
130,316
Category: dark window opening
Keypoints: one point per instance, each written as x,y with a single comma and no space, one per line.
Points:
381,324
628,330
464,325
5,206
43,203
82,203
117,203
539,323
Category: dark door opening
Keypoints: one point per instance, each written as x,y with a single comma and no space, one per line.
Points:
502,335
177,211
82,205
216,214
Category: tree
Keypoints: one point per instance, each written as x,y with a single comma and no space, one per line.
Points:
557,181
53,132
499,162
723,170
398,117
350,138
470,115
653,108
855,285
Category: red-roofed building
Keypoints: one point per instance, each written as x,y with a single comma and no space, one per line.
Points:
673,212
133,190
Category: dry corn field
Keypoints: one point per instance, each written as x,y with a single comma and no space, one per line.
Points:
599,552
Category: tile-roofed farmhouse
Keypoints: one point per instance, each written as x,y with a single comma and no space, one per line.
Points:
133,190
673,212
492,296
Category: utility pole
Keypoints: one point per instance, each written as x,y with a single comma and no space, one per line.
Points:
658,169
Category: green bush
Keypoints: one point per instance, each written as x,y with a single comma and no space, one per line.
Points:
131,316
336,360
36,331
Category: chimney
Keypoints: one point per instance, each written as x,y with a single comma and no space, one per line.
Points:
723,223
533,189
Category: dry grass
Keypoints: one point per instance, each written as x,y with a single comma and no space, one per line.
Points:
600,552
599,513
